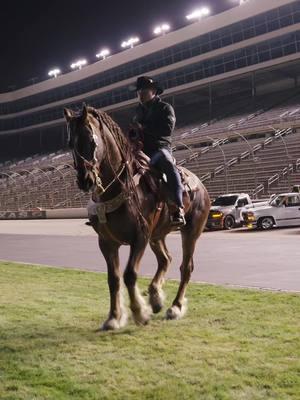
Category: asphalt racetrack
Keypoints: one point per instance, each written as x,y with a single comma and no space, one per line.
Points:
269,260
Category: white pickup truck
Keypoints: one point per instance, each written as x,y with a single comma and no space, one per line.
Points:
226,211
281,210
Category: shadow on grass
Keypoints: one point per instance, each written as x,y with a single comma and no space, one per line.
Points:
50,336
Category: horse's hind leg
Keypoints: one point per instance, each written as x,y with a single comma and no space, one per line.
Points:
179,305
156,295
117,316
140,310
190,233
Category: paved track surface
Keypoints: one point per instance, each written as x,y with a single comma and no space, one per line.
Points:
240,257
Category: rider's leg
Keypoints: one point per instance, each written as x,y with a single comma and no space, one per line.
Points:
173,177
164,162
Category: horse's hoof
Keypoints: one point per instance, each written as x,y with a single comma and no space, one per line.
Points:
173,313
113,324
176,312
110,325
156,303
141,321
156,308
142,317
156,300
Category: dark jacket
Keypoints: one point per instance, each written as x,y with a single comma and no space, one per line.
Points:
158,121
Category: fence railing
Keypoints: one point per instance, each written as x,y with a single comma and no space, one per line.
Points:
275,178
279,134
19,184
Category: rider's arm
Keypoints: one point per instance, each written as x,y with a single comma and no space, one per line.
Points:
167,121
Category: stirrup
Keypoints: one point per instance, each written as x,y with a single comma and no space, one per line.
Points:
178,219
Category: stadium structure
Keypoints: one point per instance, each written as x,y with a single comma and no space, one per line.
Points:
233,79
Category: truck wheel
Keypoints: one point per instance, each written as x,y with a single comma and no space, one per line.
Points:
229,222
266,223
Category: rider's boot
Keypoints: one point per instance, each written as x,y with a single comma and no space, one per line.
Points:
177,218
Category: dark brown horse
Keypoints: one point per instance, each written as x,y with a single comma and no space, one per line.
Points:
129,208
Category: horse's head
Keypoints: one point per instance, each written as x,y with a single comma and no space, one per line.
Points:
86,145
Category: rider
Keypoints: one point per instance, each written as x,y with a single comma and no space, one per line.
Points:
156,120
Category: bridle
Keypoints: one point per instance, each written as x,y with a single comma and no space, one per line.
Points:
92,164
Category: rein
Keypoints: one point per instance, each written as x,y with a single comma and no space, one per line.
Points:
99,181
95,170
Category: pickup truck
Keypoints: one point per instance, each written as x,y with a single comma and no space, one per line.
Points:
282,210
226,211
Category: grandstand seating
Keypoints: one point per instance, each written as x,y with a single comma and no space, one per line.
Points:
269,109
263,164
246,175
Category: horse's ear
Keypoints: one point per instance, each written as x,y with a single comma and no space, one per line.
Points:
68,114
85,112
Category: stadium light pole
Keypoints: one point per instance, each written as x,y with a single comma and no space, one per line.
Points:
53,73
161,29
130,42
78,64
198,14
103,54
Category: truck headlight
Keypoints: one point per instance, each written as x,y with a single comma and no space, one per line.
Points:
249,216
217,215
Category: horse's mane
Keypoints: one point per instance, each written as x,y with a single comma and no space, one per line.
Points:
128,158
117,133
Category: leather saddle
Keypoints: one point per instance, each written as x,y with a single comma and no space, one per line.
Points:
156,180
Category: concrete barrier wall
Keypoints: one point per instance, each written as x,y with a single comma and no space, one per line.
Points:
64,213
67,213
28,214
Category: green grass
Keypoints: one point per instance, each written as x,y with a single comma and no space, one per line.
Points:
232,344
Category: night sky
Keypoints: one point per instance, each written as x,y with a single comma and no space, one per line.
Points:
37,35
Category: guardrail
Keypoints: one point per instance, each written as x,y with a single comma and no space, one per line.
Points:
197,154
260,188
64,213
283,173
286,171
17,183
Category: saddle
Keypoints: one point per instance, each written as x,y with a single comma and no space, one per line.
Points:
156,181
188,180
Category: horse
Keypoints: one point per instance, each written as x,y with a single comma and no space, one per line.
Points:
129,208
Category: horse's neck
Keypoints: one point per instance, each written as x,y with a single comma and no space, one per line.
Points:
112,162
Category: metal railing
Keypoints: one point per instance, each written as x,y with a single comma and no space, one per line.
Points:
279,134
282,174
43,178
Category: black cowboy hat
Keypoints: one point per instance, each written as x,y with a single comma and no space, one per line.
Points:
145,82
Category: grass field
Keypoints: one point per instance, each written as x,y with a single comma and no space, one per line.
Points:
232,344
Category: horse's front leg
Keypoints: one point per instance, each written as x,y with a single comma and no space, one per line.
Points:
117,316
156,294
140,310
